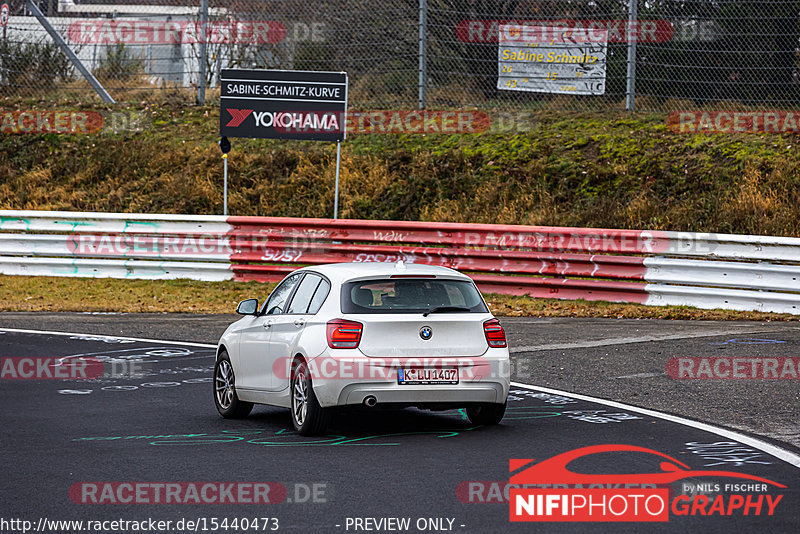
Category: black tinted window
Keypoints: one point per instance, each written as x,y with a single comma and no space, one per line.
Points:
411,295
277,300
319,296
305,291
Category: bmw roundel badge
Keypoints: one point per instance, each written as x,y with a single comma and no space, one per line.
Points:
426,332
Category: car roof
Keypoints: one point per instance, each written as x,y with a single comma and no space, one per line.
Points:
343,272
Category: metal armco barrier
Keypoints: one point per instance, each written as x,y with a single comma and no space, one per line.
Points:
736,272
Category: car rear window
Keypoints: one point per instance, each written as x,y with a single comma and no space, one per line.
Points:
411,295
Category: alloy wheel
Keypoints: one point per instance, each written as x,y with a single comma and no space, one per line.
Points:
300,394
224,386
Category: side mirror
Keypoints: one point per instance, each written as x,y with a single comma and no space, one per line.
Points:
247,307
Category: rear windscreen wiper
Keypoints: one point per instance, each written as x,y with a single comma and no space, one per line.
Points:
446,309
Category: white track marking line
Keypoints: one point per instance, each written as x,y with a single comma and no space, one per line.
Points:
101,336
640,339
772,450
642,375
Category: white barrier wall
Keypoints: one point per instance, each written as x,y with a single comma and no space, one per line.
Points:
736,272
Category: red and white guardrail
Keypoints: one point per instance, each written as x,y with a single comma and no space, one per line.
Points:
649,267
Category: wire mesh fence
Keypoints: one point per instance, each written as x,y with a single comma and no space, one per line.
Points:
658,55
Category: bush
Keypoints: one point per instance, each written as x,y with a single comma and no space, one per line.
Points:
39,65
119,64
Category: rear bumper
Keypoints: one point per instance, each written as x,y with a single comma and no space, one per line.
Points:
481,379
432,394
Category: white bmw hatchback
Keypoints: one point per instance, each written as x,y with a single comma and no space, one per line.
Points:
365,334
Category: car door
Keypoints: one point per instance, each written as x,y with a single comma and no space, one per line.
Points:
289,325
254,355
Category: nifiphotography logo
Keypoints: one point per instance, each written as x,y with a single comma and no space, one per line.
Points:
549,491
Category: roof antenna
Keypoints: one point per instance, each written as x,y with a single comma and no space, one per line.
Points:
400,265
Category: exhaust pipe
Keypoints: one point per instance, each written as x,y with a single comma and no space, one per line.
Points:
370,401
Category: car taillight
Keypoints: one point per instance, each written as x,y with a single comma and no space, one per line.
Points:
495,335
344,334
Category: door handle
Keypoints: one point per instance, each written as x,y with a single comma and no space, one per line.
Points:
299,322
267,324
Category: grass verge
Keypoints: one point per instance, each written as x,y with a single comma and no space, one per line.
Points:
55,294
588,170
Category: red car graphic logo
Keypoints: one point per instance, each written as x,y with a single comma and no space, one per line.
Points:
554,470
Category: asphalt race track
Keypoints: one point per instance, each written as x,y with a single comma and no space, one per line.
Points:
67,442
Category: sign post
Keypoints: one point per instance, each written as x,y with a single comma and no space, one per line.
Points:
285,104
225,147
336,188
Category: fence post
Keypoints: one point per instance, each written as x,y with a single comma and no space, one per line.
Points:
632,37
423,53
201,75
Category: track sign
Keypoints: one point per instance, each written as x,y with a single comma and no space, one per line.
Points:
283,104
4,15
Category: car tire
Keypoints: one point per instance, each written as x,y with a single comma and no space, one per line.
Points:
225,398
486,414
308,417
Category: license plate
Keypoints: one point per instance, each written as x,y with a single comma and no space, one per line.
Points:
413,376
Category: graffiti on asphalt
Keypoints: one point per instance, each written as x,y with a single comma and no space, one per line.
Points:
144,354
726,453
521,394
280,438
131,387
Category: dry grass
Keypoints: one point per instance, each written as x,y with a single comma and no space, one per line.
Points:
56,294
53,294
764,203
509,306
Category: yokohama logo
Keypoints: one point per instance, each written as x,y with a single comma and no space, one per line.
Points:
238,116
291,122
